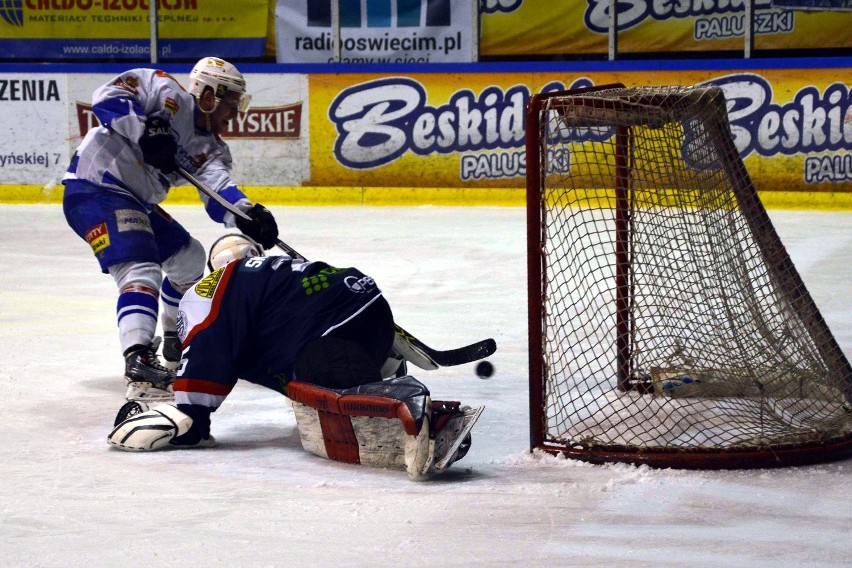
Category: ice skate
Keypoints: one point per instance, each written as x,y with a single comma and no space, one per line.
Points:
147,379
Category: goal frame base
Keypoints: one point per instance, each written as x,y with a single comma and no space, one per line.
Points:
731,459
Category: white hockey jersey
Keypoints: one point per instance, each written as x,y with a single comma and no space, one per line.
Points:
110,157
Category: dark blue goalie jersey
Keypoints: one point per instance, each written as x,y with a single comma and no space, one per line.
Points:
251,319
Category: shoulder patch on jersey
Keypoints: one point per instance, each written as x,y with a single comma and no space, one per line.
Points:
161,73
130,83
207,286
171,105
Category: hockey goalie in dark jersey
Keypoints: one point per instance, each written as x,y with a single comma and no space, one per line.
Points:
323,336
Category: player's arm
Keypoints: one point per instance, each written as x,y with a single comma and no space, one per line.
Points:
205,377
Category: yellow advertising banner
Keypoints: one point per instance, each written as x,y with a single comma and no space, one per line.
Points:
723,30
544,27
540,27
793,127
120,29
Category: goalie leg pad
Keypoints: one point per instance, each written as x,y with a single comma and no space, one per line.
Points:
370,424
391,423
365,440
150,430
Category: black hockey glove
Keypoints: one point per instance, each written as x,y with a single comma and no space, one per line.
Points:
262,226
158,145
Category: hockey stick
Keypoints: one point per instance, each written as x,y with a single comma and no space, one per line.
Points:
428,358
232,208
419,353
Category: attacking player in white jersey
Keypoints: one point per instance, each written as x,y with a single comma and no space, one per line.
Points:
149,127
318,334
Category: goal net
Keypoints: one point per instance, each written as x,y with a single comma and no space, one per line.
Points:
667,324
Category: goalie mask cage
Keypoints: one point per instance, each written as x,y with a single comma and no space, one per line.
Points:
667,324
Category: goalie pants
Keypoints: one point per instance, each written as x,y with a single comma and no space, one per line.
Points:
352,354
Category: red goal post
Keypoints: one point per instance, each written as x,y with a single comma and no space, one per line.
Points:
667,324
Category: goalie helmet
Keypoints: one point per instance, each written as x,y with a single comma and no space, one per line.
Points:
231,247
220,76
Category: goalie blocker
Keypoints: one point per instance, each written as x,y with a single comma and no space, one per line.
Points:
390,424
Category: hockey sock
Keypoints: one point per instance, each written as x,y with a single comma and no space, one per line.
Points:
170,297
136,311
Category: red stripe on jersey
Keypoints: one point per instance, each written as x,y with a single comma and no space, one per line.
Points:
214,308
202,386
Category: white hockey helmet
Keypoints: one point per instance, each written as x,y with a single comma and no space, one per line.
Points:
228,248
220,76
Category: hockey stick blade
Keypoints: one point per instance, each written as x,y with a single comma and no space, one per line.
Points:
435,358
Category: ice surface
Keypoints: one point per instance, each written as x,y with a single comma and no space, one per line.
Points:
453,276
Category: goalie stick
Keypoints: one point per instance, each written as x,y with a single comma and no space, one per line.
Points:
429,359
412,348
